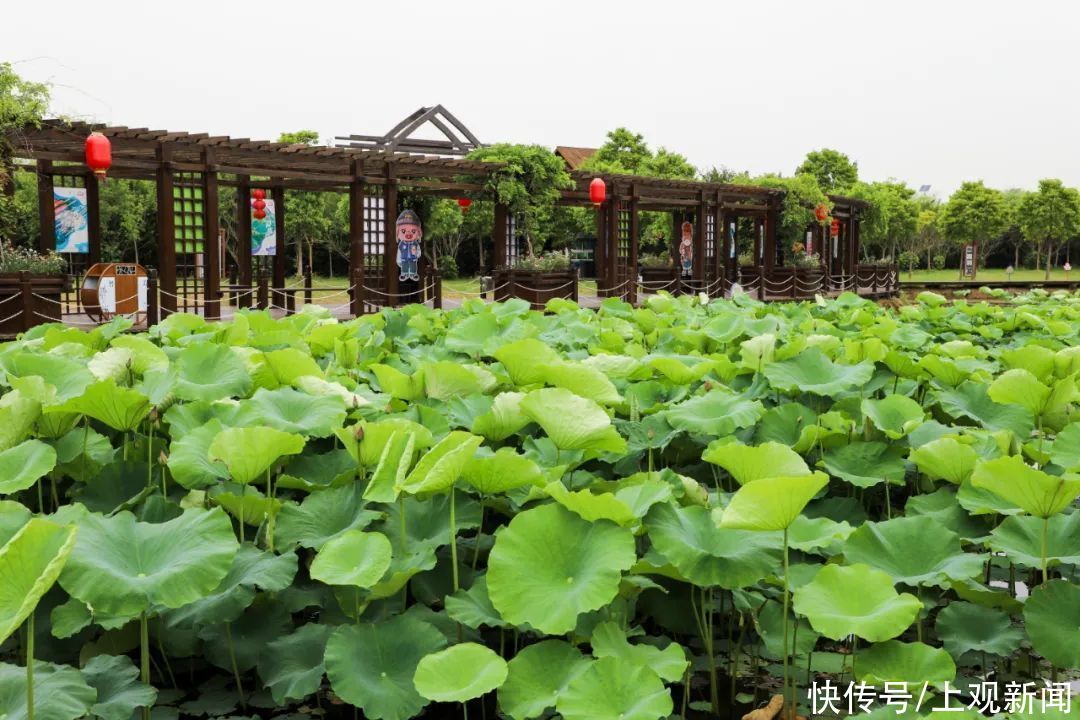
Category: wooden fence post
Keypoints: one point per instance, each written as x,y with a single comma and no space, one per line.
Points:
26,289
151,299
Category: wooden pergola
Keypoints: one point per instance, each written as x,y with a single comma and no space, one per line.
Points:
188,170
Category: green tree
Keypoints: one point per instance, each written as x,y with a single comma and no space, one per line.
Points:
890,220
623,152
927,237
975,214
529,183
670,165
801,195
1050,215
22,104
835,172
1013,237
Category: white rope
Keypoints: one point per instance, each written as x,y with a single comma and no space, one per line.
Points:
9,298
493,290
399,295
12,317
554,289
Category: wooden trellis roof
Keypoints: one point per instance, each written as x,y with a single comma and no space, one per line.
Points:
137,152
658,193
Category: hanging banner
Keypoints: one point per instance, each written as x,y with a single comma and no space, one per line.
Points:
264,230
686,249
731,238
409,235
72,220
809,242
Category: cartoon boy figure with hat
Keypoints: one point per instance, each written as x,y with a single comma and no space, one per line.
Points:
409,235
686,249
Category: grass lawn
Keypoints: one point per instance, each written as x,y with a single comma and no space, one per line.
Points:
988,275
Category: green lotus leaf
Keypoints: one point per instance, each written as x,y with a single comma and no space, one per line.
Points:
70,377
965,627
718,412
446,380
442,465
473,334
247,637
312,472
813,372
292,665
353,558
1034,491
526,360
323,516
865,464
1037,360
394,464
1019,387
914,550
822,535
895,415
118,407
189,458
608,640
292,411
944,507
708,555
473,607
582,380
758,351
746,463
771,503
548,566
856,600
60,693
318,387
572,422
503,419
538,675
592,506
374,436
250,452
246,504
23,465
914,664
1065,452
1020,537
398,384
945,459
769,623
145,355
501,471
112,364
119,690
427,521
641,494
971,400
1052,620
251,569
287,365
177,562
206,371
13,516
18,413
30,562
459,673
613,689
372,666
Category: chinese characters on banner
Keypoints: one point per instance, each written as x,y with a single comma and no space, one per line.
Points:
72,221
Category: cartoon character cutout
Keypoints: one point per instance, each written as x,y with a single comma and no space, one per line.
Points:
409,235
686,249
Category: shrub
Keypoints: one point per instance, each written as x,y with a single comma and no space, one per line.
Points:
447,267
19,258
938,262
545,262
655,260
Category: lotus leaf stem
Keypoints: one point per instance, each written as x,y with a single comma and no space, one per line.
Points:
235,667
30,666
144,657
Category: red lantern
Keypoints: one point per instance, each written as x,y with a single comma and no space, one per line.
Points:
259,204
597,192
821,212
98,153
258,194
835,227
464,204
259,214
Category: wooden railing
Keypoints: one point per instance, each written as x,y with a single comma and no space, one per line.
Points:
535,287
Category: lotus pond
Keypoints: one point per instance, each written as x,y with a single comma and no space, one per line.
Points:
678,510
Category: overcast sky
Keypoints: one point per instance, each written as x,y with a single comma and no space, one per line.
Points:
930,92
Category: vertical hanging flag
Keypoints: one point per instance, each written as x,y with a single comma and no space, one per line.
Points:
72,220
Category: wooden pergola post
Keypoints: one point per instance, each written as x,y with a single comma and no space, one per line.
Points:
211,239
853,242
166,226
699,240
499,237
390,268
600,254
611,237
635,239
356,237
770,222
93,217
46,208
243,241
278,278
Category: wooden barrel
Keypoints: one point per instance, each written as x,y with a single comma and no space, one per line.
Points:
111,289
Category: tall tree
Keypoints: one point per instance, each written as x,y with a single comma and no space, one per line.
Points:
22,103
975,214
623,152
891,218
835,172
1050,215
529,184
